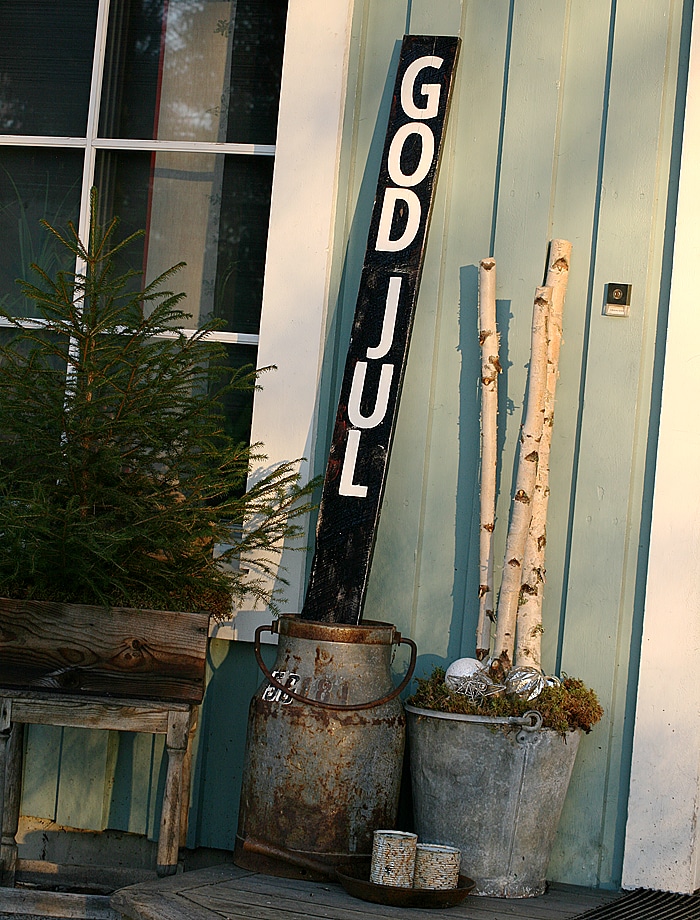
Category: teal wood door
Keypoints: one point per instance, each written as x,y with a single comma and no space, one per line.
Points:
562,125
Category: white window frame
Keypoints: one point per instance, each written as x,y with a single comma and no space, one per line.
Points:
300,241
91,143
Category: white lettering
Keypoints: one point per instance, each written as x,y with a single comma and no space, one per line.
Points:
431,91
390,311
412,202
347,486
358,384
426,154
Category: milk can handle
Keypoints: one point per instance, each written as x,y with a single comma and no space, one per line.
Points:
399,640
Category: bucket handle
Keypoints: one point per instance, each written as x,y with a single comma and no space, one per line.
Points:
399,640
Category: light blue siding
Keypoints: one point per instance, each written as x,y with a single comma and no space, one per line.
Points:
561,126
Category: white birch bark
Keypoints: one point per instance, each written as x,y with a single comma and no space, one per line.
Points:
528,635
526,474
490,369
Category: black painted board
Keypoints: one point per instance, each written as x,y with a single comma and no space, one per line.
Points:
378,351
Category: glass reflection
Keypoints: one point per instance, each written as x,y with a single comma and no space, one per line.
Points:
35,184
194,70
207,210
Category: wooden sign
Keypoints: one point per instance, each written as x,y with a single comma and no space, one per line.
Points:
376,361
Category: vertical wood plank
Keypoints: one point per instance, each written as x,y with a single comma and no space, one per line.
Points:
522,210
573,216
218,755
130,806
427,18
612,448
41,768
83,772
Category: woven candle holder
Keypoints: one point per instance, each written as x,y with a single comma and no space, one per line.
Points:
436,866
393,858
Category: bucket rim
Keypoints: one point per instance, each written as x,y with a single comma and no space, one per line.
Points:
369,632
511,721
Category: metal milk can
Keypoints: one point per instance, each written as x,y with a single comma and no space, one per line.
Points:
324,749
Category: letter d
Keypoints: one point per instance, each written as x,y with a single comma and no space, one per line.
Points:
386,220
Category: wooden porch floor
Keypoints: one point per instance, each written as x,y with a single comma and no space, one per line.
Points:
230,893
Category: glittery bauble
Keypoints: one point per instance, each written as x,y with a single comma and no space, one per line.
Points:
470,678
460,669
526,683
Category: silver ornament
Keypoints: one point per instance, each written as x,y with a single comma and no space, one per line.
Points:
475,686
525,682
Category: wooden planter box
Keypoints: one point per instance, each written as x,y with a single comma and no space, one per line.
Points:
93,667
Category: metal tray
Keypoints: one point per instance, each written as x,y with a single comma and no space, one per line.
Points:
360,887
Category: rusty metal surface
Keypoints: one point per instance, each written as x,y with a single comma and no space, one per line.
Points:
360,887
318,782
369,632
288,694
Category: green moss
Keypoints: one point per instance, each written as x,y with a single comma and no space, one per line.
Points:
565,708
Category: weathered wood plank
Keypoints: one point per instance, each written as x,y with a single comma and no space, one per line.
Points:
11,803
236,895
55,904
155,905
67,648
93,713
81,804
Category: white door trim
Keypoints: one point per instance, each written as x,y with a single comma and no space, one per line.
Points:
662,837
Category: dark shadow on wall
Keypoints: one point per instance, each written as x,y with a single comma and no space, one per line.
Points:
218,771
342,313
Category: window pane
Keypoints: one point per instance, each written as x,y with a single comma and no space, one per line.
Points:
210,211
46,50
238,406
194,70
256,71
35,184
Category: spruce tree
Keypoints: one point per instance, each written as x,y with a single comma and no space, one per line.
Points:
119,484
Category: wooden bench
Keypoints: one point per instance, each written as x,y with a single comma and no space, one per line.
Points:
87,667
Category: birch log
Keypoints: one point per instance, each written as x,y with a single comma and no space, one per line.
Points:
490,369
526,474
528,642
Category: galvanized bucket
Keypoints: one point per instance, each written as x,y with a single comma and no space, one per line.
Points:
495,788
324,749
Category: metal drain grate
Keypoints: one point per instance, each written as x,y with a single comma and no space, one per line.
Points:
647,905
